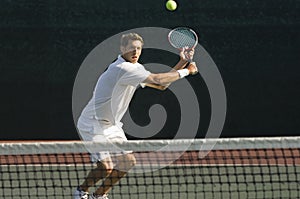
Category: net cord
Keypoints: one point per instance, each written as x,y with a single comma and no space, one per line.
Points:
53,147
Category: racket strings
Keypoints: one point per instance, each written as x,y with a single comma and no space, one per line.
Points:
183,38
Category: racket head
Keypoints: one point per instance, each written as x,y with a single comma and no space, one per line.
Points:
182,37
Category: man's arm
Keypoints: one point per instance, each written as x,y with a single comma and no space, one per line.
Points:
162,80
180,65
184,56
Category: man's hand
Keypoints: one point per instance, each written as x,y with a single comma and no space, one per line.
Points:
192,68
186,54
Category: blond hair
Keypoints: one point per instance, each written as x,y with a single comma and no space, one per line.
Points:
130,36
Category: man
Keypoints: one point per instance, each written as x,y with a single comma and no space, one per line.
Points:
100,120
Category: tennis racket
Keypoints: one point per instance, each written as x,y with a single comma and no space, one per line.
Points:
183,37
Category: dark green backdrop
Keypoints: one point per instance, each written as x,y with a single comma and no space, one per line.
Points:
255,44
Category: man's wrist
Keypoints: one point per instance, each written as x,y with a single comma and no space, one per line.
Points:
183,73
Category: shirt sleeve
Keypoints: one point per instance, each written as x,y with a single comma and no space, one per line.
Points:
133,74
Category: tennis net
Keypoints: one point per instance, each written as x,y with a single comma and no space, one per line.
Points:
233,168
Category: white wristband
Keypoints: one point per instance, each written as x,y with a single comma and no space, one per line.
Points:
183,73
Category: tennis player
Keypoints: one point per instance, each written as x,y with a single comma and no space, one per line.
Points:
100,120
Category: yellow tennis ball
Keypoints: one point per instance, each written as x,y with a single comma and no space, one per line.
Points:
171,5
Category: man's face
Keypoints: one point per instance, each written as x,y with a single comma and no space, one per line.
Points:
132,51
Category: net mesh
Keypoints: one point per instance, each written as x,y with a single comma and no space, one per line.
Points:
234,168
183,37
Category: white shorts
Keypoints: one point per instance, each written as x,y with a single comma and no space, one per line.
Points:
100,134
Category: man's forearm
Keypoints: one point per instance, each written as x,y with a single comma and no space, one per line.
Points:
180,65
165,78
159,87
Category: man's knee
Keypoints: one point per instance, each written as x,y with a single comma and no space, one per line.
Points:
105,167
126,162
131,161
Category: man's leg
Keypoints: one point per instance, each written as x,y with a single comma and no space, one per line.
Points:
103,170
125,163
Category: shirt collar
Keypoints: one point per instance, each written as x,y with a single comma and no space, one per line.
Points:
120,58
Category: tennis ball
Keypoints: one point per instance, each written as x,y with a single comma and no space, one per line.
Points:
171,5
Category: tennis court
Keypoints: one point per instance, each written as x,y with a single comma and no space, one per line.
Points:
226,172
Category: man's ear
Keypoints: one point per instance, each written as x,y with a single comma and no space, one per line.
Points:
122,48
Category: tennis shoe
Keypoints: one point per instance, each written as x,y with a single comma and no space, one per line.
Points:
93,196
79,194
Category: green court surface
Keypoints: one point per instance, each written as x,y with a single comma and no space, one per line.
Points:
173,182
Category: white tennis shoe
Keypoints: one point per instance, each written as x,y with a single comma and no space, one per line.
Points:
79,194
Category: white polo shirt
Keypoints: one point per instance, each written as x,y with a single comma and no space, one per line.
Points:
112,95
